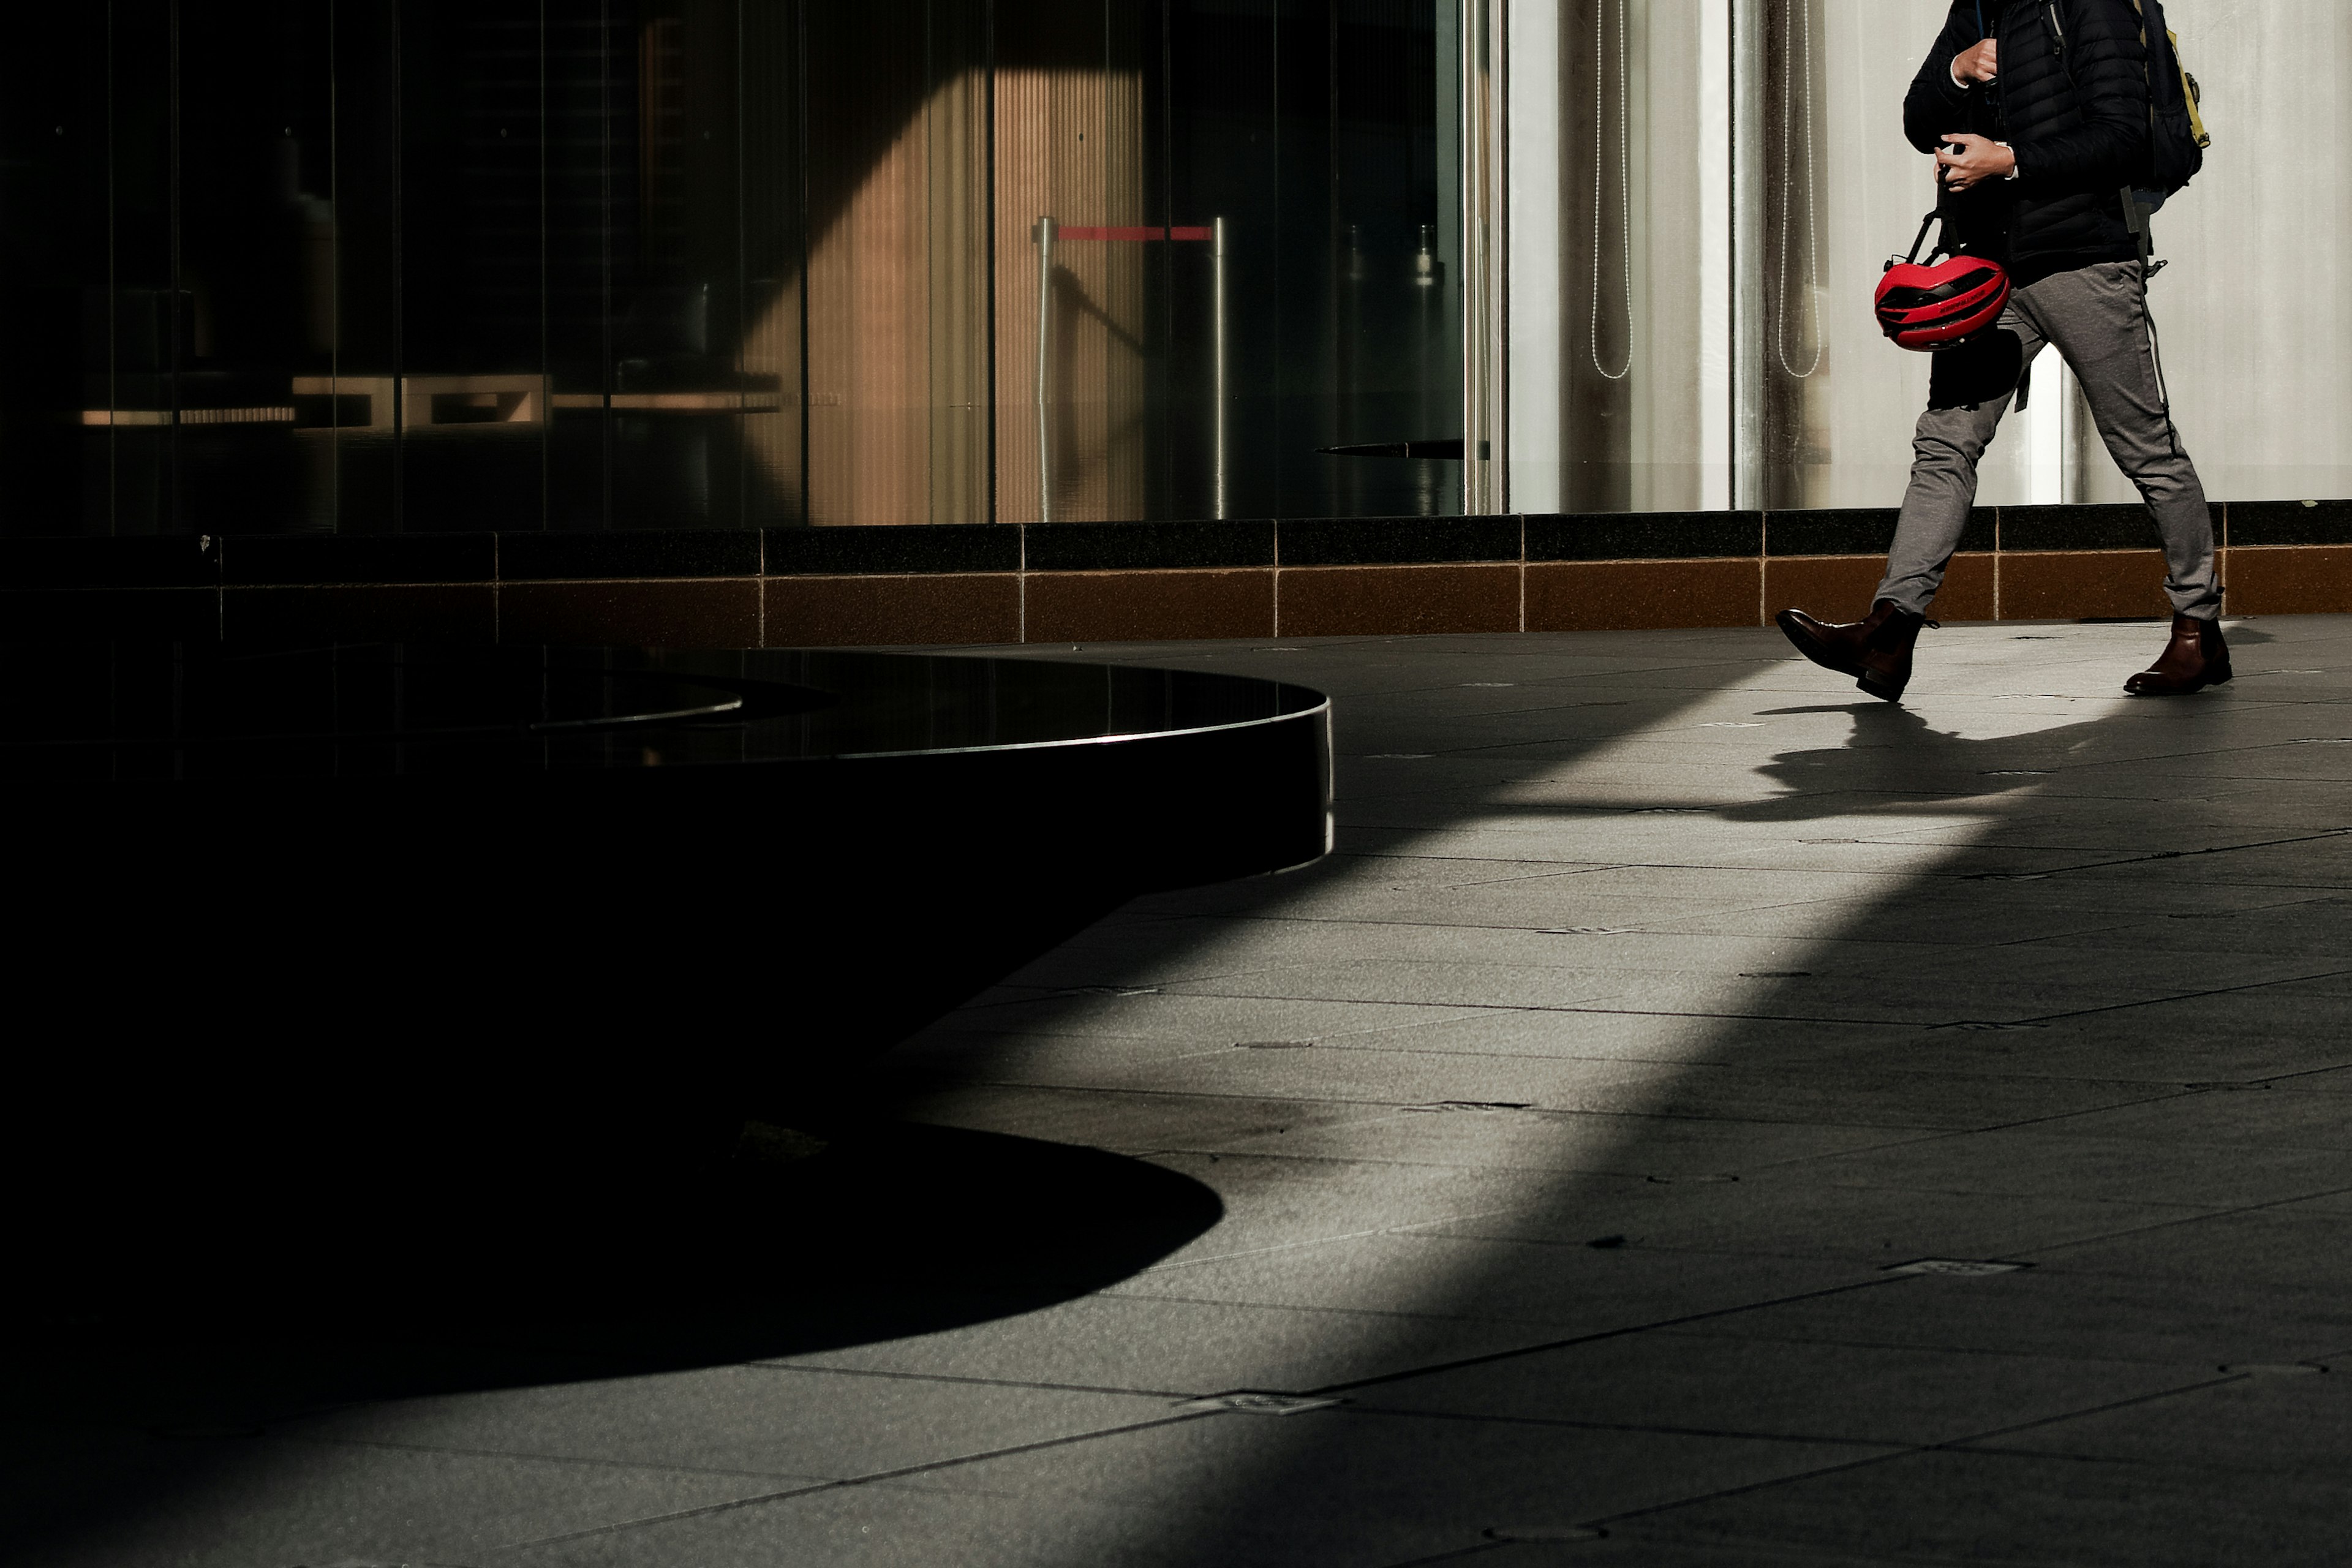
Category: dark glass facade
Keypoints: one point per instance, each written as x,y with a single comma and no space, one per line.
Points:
410,265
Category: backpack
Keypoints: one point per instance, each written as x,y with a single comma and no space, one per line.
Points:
2176,133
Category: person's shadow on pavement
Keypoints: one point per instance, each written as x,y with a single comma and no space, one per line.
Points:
1897,762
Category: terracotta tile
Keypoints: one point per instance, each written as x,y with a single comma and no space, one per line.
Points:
849,612
457,611
1967,593
2288,580
1359,601
1136,606
1841,587
2086,585
1633,595
644,614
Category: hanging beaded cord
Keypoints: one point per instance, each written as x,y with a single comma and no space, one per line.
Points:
1624,180
1789,82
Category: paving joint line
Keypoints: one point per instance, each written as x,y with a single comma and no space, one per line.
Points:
2194,854
2177,1220
1910,1451
2176,1092
1625,1332
2289,1078
871,1479
1480,1549
1398,1109
776,1365
2188,996
1392,1314
1469,1416
588,1461
1603,1011
1942,1348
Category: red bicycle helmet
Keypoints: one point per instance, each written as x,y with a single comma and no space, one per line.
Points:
1943,304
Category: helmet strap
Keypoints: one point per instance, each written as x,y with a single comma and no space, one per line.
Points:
1925,225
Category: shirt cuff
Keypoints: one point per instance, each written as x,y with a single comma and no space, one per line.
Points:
2015,169
1954,69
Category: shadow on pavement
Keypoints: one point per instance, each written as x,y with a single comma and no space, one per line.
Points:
896,1229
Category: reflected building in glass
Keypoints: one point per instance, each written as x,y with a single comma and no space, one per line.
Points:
712,263
372,266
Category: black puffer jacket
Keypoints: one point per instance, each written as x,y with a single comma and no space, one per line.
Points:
2077,121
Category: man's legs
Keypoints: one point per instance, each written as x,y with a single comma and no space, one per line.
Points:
1969,392
2097,317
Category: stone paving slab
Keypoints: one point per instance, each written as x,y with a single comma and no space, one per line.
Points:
1866,1393
1973,1507
1187,1349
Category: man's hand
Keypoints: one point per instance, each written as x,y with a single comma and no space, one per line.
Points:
1970,161
1981,63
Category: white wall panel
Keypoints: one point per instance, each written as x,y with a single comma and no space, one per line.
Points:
2253,312
2257,328
1619,300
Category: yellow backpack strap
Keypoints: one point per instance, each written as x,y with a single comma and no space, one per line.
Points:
2190,92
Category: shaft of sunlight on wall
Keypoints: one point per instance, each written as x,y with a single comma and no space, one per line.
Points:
1070,146
898,265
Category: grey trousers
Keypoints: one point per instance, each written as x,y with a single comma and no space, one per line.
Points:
2096,317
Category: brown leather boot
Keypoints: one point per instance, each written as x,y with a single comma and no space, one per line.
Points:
1875,651
2194,659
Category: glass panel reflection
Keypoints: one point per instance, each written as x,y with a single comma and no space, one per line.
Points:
618,264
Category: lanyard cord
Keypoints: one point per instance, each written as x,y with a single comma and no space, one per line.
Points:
1624,181
1804,48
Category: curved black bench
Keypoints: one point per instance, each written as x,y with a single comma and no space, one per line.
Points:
455,911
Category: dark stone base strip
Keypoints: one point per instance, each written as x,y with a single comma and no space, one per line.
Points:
1094,582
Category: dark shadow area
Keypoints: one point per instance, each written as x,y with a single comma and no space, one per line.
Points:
304,1293
467,1017
325,1292
1895,754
